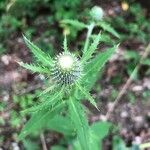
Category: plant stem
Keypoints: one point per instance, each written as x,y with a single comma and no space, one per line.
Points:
122,92
144,146
90,29
43,141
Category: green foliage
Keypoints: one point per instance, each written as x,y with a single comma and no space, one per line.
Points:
38,53
39,119
137,26
133,57
87,95
2,49
13,21
93,68
62,125
88,53
60,109
80,122
29,145
66,100
75,23
56,147
34,68
108,28
8,24
100,131
119,144
45,104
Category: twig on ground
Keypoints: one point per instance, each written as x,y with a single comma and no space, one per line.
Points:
43,141
122,92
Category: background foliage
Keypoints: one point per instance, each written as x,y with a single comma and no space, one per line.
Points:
45,22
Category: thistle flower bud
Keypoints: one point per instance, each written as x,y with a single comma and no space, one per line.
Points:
97,13
66,69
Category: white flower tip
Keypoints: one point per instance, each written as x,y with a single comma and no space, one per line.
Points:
66,62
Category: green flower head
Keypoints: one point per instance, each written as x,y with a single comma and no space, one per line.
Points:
97,13
66,69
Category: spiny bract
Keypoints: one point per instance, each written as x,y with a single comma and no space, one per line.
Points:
66,69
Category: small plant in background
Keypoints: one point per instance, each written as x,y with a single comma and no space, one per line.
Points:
36,13
69,80
136,26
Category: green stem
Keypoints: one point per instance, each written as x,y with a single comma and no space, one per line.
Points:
90,29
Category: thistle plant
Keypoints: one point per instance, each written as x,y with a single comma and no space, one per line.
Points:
66,69
69,81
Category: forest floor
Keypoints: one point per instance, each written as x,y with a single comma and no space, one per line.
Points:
131,115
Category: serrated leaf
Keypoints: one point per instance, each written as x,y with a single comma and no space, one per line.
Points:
87,95
87,55
92,71
49,103
34,68
98,132
75,23
93,68
38,53
108,28
50,88
39,119
80,123
105,38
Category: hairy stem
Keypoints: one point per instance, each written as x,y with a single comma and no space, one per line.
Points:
89,33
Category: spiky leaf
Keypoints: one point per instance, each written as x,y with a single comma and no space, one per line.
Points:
92,71
50,102
108,28
39,119
75,23
98,132
80,123
87,95
38,53
34,68
93,68
87,55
